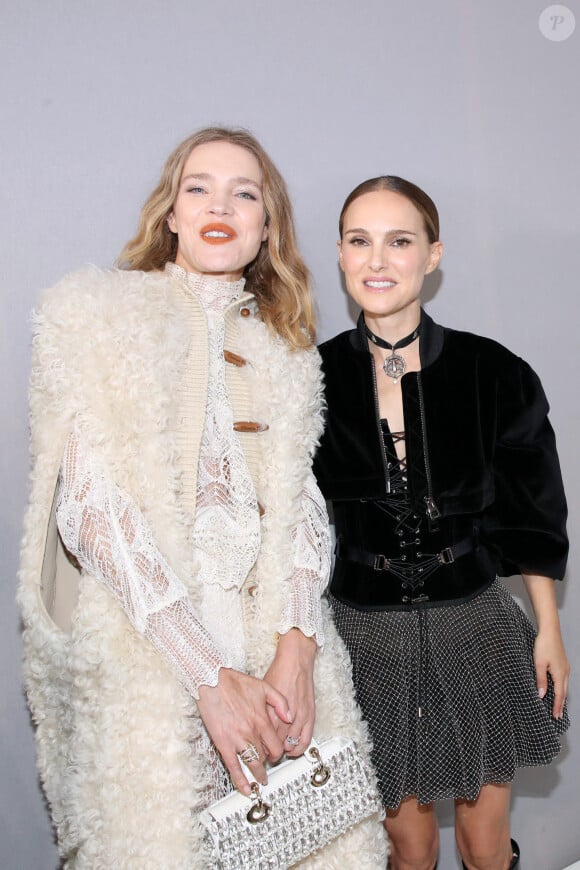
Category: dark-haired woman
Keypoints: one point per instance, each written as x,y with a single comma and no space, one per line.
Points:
441,467
176,544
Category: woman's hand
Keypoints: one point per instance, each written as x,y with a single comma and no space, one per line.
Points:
291,673
550,658
549,653
237,714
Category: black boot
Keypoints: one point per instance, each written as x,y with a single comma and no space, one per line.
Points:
515,857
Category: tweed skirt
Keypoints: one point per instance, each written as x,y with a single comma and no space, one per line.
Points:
449,694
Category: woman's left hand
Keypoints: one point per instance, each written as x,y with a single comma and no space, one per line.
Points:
550,658
549,653
291,673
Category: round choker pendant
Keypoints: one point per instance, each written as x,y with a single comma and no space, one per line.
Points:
394,366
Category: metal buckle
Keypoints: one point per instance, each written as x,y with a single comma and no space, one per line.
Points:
381,562
446,556
420,599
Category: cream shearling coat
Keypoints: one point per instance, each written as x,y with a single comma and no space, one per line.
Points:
124,354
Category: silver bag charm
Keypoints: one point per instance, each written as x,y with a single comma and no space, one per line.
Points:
307,802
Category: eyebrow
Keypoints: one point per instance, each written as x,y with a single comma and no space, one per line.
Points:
388,233
239,179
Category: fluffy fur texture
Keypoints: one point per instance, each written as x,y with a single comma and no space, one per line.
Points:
115,729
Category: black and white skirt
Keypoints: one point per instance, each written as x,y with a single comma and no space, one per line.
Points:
449,694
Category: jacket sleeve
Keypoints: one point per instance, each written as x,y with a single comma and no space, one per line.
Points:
309,527
526,524
311,540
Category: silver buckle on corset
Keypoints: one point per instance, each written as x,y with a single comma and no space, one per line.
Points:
381,563
446,556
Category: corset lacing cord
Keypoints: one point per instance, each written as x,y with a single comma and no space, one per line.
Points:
422,707
407,525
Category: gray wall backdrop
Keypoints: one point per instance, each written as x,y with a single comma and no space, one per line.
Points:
468,99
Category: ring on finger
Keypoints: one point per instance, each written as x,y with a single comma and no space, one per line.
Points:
249,754
293,741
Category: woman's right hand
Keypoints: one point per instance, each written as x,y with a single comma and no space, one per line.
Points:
235,714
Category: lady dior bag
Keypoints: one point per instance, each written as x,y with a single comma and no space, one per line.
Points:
307,802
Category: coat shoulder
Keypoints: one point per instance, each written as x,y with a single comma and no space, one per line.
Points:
488,350
91,290
337,343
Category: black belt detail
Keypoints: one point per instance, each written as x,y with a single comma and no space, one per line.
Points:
379,562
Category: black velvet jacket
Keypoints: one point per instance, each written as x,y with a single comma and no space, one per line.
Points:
478,439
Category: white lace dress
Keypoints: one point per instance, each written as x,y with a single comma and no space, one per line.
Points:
103,527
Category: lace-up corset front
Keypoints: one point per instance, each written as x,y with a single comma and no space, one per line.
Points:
390,556
408,563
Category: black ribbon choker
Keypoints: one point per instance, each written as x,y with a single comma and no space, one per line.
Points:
394,365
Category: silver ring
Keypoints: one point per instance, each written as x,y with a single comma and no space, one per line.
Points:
249,754
293,741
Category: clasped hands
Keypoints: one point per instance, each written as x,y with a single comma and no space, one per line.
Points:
274,715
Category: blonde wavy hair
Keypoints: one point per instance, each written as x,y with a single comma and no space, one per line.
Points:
278,276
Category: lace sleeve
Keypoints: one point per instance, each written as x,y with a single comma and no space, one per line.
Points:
311,539
105,530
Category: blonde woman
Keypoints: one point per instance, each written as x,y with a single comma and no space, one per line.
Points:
176,544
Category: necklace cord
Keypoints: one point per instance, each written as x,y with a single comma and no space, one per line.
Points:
402,342
394,365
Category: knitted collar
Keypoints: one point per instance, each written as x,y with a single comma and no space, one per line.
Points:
211,292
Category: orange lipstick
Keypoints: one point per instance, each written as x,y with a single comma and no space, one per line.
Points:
217,234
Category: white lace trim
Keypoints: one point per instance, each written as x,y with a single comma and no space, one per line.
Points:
105,530
311,566
226,534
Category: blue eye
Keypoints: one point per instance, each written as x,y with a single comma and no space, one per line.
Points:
245,194
195,188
